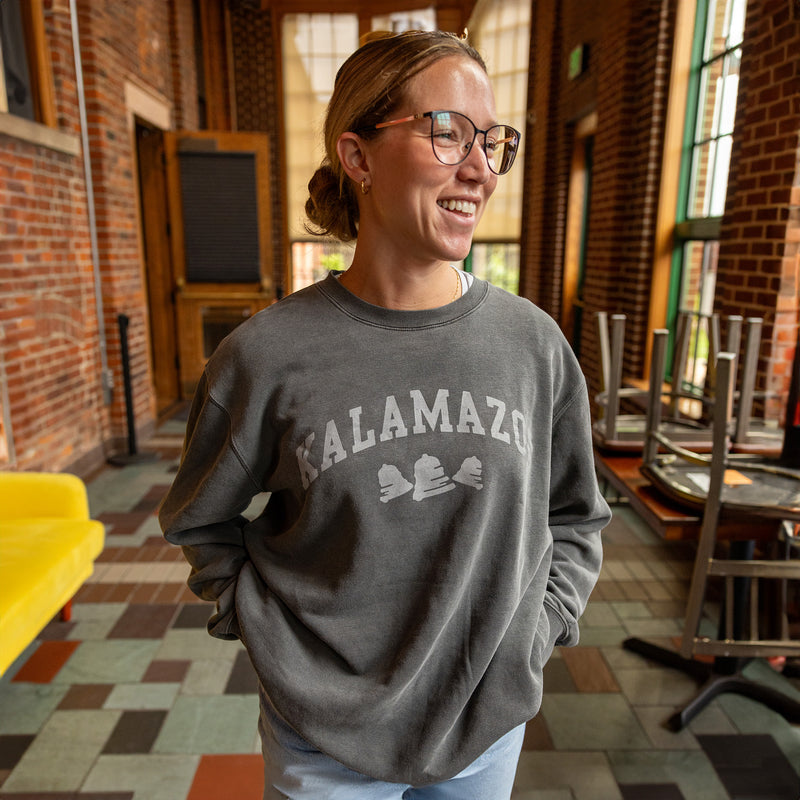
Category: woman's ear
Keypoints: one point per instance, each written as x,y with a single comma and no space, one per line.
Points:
353,157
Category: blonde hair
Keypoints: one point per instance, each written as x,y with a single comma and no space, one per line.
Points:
368,87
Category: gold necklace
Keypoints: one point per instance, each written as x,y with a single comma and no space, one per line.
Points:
457,292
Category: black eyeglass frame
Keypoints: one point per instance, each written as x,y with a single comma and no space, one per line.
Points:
476,129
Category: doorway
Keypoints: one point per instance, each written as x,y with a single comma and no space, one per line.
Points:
154,217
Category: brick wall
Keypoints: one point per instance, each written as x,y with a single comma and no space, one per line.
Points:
759,257
50,341
184,74
256,74
48,330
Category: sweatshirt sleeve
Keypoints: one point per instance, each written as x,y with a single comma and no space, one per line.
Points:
202,512
578,513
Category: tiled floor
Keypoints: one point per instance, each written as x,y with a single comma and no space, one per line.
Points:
132,699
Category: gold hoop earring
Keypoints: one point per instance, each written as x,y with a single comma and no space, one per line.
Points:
364,187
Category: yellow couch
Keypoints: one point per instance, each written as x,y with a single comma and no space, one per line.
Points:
48,546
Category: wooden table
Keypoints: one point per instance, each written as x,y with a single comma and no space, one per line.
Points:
668,519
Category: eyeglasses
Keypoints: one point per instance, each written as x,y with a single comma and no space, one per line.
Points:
453,134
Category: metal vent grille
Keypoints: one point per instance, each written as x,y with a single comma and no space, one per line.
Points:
220,217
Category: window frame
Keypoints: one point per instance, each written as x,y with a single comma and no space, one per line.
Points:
44,131
39,67
692,229
673,231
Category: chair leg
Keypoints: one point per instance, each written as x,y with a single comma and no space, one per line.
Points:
66,612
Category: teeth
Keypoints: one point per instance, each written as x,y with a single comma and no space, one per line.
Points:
464,206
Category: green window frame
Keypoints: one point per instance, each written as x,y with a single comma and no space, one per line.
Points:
705,161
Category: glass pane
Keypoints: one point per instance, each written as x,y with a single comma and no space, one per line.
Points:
314,46
500,30
736,25
730,89
719,179
716,29
507,43
311,261
497,263
708,111
699,200
697,298
422,19
14,61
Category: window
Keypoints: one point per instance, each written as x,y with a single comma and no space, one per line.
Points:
423,19
708,138
497,263
501,33
314,47
26,83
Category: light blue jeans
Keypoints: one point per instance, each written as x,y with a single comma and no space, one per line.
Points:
294,770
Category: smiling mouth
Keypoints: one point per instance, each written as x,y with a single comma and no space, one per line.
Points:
463,206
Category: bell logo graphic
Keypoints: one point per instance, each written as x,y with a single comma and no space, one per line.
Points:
430,478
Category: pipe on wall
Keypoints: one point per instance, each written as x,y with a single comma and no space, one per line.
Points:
106,376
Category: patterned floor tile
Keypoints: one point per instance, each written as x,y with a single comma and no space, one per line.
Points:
167,671
228,776
653,718
651,686
46,662
26,707
599,614
643,791
143,696
12,748
207,677
84,696
135,732
689,770
216,724
537,737
195,643
149,777
557,679
109,661
566,717
63,752
752,766
243,678
94,620
195,616
586,776
143,622
589,670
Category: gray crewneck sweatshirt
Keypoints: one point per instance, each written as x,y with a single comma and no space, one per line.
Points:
433,527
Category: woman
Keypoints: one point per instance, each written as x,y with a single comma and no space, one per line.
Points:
433,527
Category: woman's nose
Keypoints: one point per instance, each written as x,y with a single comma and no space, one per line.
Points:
476,164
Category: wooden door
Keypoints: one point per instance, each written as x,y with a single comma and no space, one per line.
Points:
158,269
218,192
206,221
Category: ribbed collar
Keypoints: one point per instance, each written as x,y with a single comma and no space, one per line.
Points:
370,314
